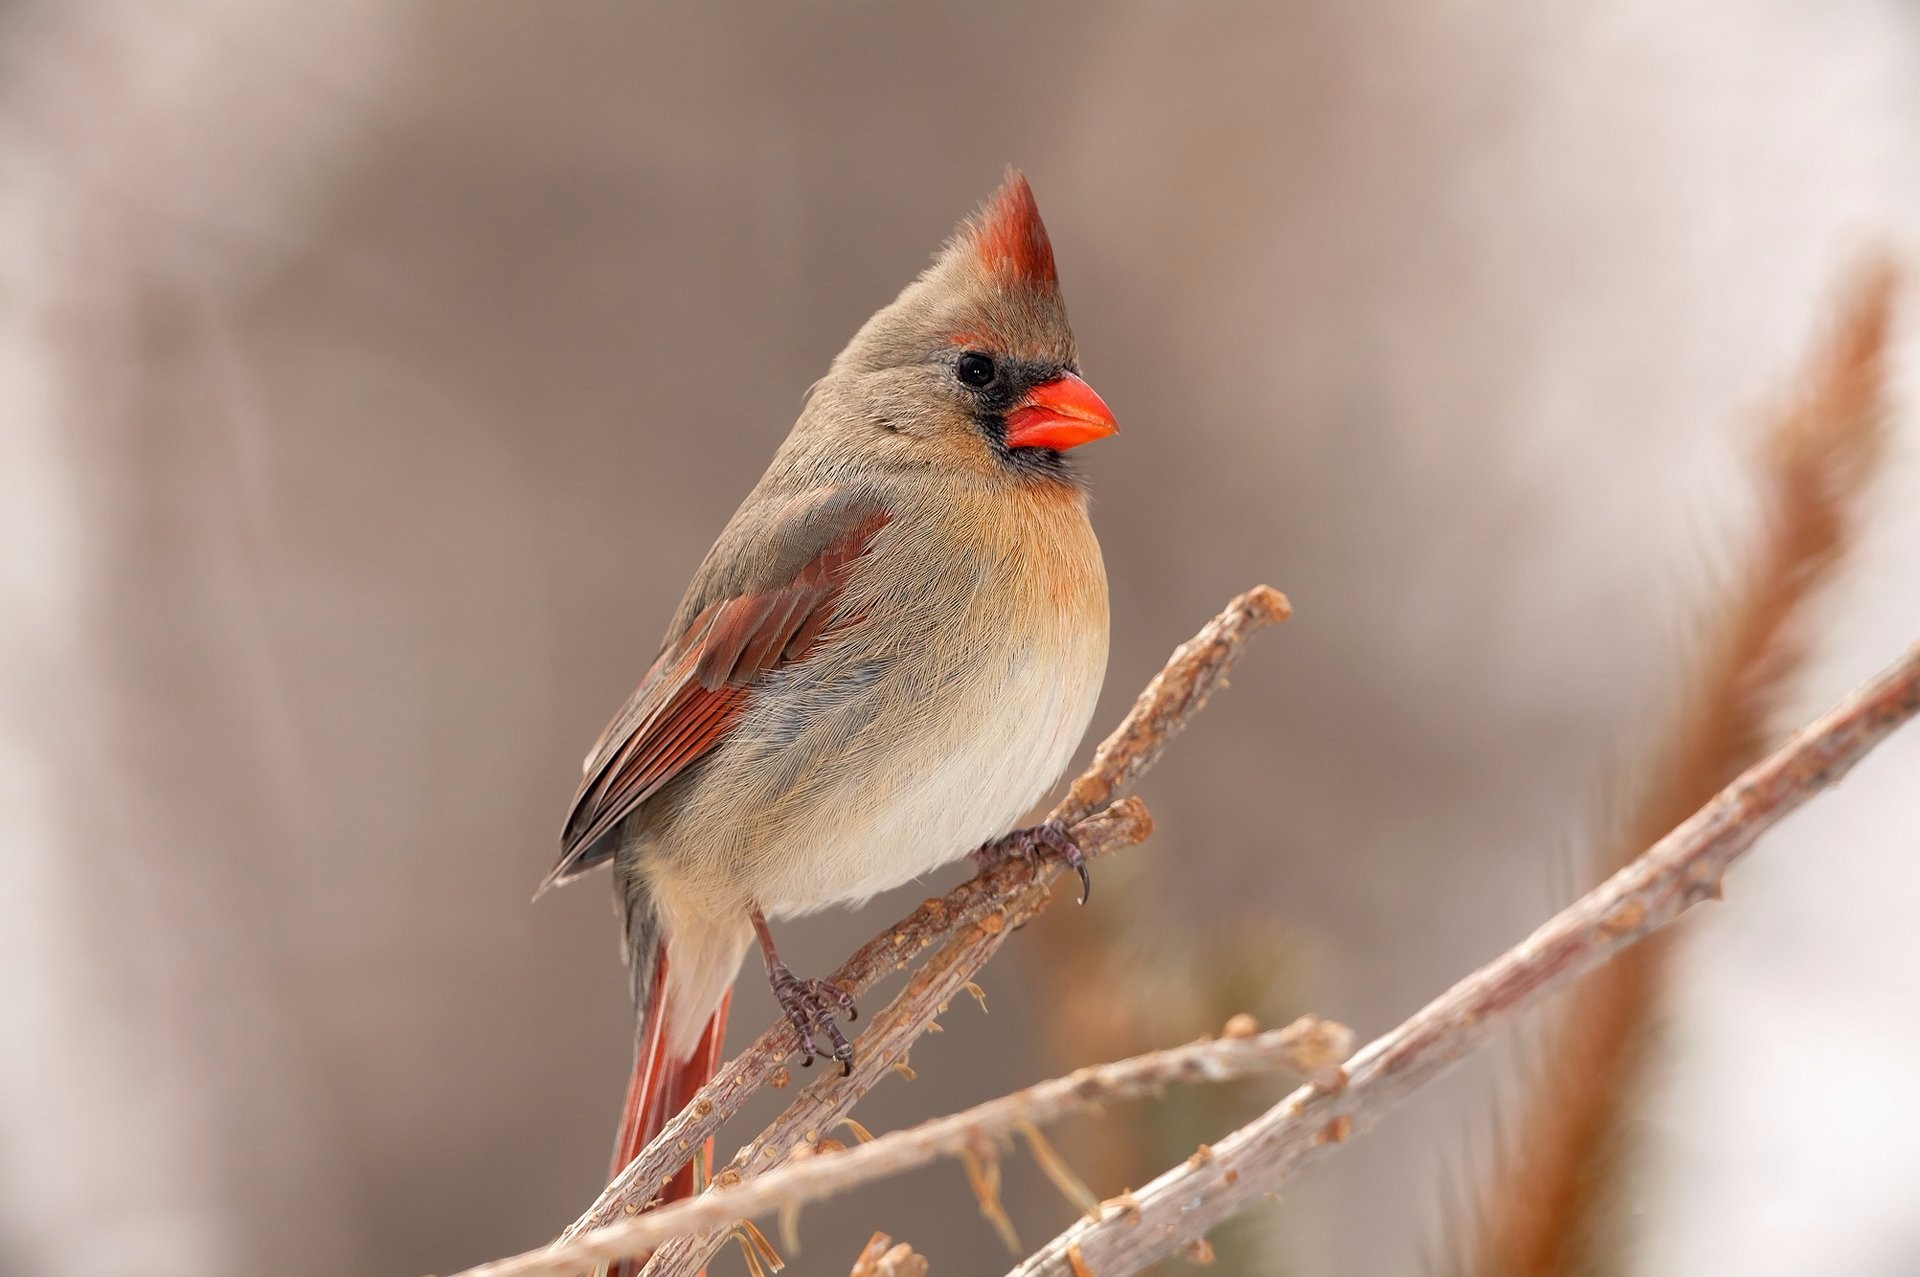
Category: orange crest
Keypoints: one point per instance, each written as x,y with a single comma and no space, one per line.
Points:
1009,238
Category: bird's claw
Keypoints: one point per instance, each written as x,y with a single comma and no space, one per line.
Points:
1033,843
810,1006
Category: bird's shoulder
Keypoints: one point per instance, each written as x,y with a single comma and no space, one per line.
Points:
778,536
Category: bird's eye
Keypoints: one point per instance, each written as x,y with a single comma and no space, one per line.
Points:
975,370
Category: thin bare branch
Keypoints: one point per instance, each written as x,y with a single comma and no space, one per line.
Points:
1310,1047
1678,872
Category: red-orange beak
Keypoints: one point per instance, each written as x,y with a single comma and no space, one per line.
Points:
1059,414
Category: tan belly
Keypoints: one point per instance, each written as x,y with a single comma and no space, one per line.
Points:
1009,738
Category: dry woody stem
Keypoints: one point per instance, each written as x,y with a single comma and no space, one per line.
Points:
1679,871
1310,1047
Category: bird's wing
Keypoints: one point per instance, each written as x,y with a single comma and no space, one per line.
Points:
745,623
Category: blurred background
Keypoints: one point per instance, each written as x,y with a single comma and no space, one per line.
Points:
373,376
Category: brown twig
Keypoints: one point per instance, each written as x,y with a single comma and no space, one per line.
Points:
1541,1209
1310,1047
983,906
1680,870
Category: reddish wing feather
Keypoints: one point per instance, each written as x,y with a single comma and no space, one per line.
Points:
698,689
754,633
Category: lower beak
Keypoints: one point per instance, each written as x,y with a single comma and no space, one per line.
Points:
1059,414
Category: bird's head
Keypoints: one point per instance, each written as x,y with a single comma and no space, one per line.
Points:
973,366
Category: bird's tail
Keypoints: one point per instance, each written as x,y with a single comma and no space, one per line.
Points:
661,1085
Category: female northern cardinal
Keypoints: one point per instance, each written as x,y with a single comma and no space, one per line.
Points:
889,655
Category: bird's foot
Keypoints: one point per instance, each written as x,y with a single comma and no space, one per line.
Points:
1036,843
810,1006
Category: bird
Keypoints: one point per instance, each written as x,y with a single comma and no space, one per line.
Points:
889,656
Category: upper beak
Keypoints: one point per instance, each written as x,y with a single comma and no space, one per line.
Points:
1059,414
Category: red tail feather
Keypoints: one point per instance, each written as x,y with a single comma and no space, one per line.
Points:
660,1088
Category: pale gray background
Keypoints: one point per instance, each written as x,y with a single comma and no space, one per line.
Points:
372,376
